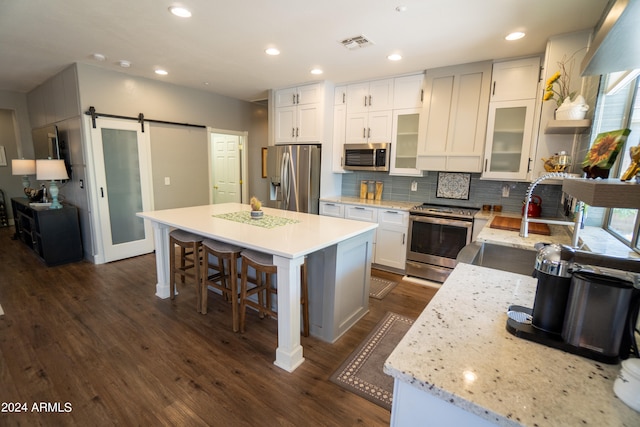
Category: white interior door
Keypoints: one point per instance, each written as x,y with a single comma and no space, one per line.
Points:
226,167
122,169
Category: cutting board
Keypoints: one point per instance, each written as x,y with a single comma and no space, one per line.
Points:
507,223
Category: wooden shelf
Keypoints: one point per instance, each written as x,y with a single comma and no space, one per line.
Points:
567,126
606,193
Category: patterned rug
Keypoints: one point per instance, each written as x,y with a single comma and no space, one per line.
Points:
379,288
362,372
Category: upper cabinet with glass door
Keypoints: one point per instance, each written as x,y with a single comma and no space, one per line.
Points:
407,104
514,89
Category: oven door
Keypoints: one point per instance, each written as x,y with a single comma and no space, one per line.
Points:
437,241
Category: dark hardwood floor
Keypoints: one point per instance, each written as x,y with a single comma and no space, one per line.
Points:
95,344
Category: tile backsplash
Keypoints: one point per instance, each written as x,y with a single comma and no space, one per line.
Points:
481,192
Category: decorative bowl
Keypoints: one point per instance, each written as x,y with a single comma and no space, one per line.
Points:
257,214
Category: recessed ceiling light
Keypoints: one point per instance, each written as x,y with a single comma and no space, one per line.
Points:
394,57
180,11
517,35
272,51
124,64
162,72
99,57
401,8
316,71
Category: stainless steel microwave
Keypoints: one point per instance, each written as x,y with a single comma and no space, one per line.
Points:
367,157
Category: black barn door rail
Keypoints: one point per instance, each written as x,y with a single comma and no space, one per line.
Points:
140,119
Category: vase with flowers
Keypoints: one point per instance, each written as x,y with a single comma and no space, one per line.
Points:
256,208
558,88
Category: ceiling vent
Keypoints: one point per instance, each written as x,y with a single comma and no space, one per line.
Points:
356,42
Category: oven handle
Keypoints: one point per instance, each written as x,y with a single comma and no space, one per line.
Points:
441,221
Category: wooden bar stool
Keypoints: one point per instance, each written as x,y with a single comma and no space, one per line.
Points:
189,245
263,265
225,279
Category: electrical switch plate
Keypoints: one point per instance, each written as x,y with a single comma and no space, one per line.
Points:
505,190
167,180
414,186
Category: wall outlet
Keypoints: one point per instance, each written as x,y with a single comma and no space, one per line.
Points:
167,180
414,186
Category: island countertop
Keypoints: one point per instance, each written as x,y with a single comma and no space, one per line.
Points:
459,351
304,234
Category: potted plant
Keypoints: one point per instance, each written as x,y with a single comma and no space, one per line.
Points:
256,208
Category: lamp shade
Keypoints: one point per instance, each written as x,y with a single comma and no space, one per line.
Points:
50,170
23,167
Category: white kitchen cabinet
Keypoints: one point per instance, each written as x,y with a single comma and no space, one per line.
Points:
391,238
517,79
509,139
363,127
298,116
404,142
339,137
407,91
363,213
454,118
376,95
332,209
510,130
300,95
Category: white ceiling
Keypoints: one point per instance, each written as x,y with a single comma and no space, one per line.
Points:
223,42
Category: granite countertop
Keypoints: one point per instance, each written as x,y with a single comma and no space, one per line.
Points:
559,233
459,350
388,204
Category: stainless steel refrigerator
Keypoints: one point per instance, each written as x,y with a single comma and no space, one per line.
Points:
294,177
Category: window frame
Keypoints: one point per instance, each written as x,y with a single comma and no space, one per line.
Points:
633,93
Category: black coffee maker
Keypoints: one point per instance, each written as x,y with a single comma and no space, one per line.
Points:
580,308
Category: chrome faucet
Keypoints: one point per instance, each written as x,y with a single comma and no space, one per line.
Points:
524,226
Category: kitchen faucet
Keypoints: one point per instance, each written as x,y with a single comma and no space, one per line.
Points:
524,226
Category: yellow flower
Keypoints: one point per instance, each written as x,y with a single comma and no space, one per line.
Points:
553,78
547,96
602,150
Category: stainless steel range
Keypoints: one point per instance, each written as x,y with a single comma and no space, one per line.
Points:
436,234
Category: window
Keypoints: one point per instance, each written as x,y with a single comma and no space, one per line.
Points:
618,109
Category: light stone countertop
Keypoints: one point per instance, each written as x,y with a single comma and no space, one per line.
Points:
385,204
559,234
459,351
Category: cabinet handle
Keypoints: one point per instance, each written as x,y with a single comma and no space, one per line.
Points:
485,164
493,93
359,208
344,97
403,236
368,132
293,132
298,99
329,204
297,132
365,100
529,165
102,192
392,212
364,132
421,95
293,98
369,100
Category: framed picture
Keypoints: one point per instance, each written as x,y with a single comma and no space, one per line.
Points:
3,156
264,162
453,185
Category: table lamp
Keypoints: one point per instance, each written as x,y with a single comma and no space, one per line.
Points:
52,170
24,167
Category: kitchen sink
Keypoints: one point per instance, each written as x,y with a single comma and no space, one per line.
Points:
505,258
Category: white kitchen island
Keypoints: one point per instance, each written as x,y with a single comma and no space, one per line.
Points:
338,255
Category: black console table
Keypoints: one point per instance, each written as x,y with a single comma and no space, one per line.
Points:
53,234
